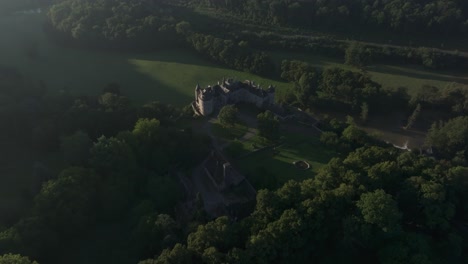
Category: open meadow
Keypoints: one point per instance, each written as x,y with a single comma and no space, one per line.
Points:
166,76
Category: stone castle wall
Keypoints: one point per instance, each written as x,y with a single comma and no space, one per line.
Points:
211,98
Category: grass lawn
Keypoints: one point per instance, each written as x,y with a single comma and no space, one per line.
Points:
412,77
295,148
166,76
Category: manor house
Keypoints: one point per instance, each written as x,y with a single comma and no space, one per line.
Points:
228,91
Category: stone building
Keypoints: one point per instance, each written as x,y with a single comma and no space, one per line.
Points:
210,99
227,192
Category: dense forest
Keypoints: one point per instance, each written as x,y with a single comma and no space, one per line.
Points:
122,164
119,162
377,205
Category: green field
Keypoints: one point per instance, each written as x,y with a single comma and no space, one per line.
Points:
412,77
295,148
166,76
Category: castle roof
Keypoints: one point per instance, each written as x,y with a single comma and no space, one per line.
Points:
231,87
247,85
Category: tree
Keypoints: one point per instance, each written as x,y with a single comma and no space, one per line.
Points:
228,116
354,135
15,259
268,125
112,101
357,55
147,130
449,138
155,232
178,254
112,156
380,209
68,204
305,87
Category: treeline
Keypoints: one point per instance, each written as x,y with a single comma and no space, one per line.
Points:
236,55
147,25
119,165
375,205
436,17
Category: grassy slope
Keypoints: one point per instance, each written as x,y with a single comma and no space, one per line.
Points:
167,76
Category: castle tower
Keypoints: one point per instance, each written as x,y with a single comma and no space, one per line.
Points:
205,103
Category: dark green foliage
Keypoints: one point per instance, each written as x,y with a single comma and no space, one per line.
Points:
380,209
349,88
357,55
112,156
228,116
339,89
305,78
451,99
228,53
123,162
329,138
449,138
365,208
68,204
142,23
178,254
155,232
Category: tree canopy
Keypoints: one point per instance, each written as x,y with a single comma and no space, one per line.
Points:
228,115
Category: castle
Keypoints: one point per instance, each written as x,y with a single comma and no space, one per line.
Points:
229,91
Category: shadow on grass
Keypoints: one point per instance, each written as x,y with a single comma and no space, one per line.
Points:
281,164
429,75
231,133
